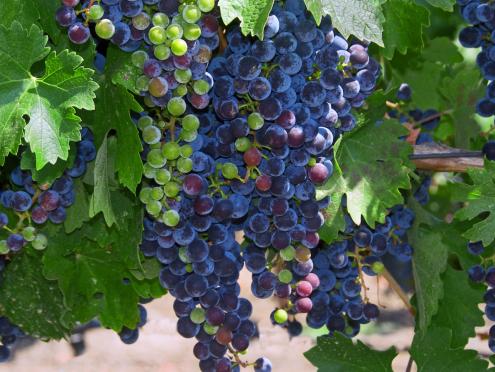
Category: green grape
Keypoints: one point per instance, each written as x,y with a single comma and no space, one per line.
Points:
162,52
141,22
171,189
157,35
148,102
178,47
242,144
158,87
230,171
29,233
142,83
151,135
192,31
378,267
176,106
280,316
312,162
186,151
189,136
161,124
95,12
149,171
145,121
201,87
171,150
162,176
160,19
156,159
4,248
184,165
183,76
191,13
145,195
157,193
190,122
180,91
285,276
206,5
40,242
189,268
210,329
154,207
174,31
138,58
288,253
105,29
197,315
171,218
183,255
255,121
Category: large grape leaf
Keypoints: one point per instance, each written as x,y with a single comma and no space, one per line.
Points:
403,26
10,11
372,165
447,5
78,213
50,172
340,354
479,198
251,13
32,302
48,101
361,18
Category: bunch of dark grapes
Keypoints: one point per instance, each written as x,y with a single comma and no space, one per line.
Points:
481,33
28,204
9,333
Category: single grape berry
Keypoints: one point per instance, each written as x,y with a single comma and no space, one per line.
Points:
489,150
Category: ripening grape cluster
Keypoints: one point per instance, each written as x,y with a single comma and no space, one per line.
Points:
481,34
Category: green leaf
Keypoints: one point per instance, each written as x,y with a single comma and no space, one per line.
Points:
403,26
334,220
340,354
49,101
78,213
442,50
47,10
433,352
371,166
429,262
480,202
121,69
361,18
50,172
10,11
447,5
251,13
32,302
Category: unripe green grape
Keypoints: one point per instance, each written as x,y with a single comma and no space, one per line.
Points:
178,47
141,22
255,121
378,267
230,171
40,242
161,124
171,189
285,276
197,315
189,268
145,195
190,122
180,91
138,58
142,83
4,248
161,52
242,144
158,87
105,29
29,233
174,31
147,101
171,218
288,253
160,19
149,171
156,159
191,14
189,136
186,151
151,135
280,316
157,193
162,176
184,165
192,31
206,5
201,87
183,255
157,35
183,76
176,106
154,207
171,150
210,329
95,12
145,121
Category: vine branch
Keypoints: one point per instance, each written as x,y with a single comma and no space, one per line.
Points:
397,289
441,158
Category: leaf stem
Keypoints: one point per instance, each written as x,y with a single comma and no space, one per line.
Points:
400,292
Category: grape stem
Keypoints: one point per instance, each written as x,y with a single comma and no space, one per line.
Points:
409,364
236,357
222,39
361,276
441,158
433,117
400,292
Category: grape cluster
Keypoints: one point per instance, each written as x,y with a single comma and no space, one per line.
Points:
30,203
481,33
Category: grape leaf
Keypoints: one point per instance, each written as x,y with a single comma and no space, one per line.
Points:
372,165
251,13
10,11
447,5
50,172
49,101
113,112
480,201
32,302
340,354
429,262
47,10
123,72
433,352
361,18
403,26
78,213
